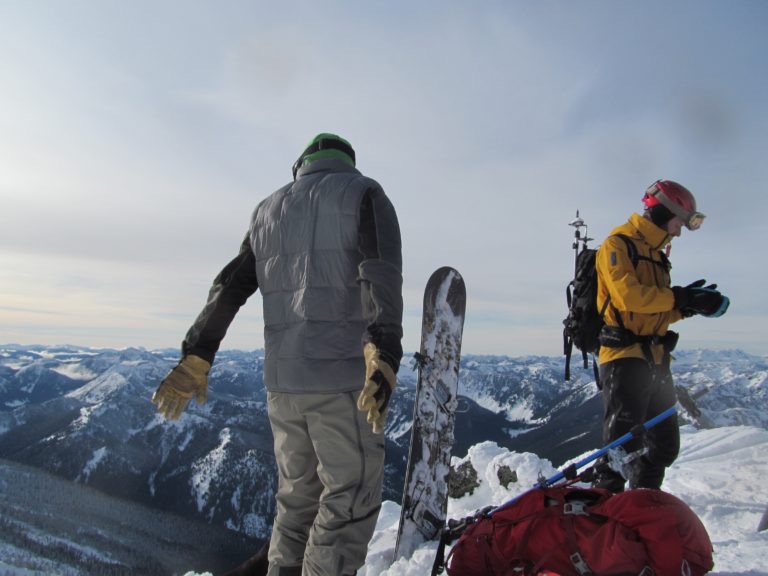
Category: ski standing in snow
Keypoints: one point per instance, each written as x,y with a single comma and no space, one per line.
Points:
425,495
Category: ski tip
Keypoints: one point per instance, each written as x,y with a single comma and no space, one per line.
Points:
445,271
447,276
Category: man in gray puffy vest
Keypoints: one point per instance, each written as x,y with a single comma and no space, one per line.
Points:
325,253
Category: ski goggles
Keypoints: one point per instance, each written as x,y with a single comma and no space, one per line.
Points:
695,220
691,218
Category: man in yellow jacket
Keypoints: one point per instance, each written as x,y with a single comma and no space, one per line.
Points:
638,303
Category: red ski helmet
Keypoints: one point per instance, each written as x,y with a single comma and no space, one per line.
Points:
677,199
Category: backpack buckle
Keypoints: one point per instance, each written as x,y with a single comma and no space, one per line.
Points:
580,565
575,508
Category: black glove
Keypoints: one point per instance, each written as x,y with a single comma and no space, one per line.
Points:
686,311
700,283
699,299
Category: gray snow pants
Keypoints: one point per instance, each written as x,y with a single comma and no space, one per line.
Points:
331,467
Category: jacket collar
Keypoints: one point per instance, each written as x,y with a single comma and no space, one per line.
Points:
654,236
326,165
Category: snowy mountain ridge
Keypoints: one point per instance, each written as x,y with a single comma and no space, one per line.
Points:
86,415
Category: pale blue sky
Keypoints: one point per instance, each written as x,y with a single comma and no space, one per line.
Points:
136,138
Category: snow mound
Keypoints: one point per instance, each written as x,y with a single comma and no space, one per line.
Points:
720,474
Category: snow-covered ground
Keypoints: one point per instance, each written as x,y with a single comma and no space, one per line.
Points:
721,473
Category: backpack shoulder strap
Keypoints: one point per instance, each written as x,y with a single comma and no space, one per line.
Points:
634,257
631,248
663,262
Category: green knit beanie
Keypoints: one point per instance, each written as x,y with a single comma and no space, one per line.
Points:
326,145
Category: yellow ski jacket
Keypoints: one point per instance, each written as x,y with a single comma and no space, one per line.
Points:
640,294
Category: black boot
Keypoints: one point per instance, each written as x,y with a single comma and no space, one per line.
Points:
647,474
256,565
605,477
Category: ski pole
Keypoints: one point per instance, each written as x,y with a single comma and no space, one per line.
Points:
571,470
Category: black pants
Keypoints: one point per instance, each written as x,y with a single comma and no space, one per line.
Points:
633,392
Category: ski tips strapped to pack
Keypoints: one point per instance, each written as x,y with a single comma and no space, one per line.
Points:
583,323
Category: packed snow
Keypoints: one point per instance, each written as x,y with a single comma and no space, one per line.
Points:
720,473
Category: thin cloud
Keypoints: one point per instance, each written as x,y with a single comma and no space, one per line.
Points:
136,144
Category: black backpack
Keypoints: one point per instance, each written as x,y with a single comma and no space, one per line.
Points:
584,321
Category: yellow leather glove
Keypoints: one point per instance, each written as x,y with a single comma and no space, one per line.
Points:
380,381
189,378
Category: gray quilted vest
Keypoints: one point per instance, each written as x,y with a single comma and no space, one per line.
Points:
305,241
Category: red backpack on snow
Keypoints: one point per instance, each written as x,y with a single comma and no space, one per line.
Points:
580,532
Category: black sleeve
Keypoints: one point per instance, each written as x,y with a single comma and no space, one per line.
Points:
381,276
230,290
